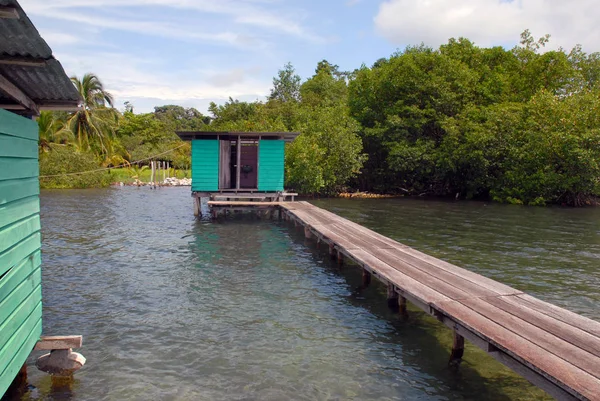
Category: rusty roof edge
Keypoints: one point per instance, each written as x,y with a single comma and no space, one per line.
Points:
267,133
192,135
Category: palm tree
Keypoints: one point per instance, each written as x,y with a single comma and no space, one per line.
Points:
136,170
52,131
92,91
94,124
117,155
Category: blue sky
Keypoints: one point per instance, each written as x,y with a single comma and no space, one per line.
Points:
192,52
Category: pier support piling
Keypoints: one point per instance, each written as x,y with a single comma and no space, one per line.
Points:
392,298
458,349
402,307
19,383
366,279
197,209
60,362
340,258
307,233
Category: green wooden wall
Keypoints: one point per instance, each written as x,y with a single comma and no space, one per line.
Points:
20,241
205,165
270,165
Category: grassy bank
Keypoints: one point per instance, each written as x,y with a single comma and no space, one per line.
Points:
129,175
101,179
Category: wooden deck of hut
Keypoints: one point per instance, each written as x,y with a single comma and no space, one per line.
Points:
555,349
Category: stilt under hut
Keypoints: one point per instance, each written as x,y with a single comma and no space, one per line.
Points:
238,170
31,79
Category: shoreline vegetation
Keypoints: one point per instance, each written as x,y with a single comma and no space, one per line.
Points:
519,126
114,176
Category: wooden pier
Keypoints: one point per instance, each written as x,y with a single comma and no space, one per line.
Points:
555,349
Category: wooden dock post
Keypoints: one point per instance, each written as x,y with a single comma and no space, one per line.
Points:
402,307
151,174
340,257
307,233
19,384
392,298
458,349
366,278
197,206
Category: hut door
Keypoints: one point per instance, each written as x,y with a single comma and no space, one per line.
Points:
271,159
225,164
248,164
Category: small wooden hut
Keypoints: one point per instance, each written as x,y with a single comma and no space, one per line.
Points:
31,79
239,162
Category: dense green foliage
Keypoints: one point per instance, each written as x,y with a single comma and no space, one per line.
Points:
98,136
62,160
518,125
328,152
513,125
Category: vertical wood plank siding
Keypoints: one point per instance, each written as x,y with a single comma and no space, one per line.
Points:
270,172
20,240
205,165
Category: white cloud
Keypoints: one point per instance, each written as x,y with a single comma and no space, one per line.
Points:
243,12
142,82
145,27
60,38
154,52
490,22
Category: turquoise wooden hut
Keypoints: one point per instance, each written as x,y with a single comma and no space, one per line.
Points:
238,162
30,80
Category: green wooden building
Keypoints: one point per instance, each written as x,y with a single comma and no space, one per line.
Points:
30,80
238,162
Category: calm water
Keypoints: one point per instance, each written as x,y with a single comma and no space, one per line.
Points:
177,309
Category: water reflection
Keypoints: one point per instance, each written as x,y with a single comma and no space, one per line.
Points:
177,309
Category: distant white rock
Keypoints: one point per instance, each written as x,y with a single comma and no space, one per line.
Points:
177,182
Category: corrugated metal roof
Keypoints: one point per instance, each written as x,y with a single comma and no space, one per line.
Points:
190,135
46,83
19,37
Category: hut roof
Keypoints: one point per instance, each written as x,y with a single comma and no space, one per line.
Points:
189,135
31,79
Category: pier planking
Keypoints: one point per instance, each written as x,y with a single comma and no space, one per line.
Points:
555,349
